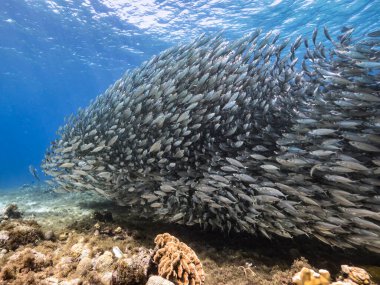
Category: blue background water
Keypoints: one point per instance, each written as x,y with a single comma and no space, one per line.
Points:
56,55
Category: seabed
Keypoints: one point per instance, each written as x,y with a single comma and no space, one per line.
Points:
66,222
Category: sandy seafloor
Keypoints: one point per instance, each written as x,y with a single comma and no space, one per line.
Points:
273,261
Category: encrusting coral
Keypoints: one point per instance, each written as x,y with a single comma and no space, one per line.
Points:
177,262
309,277
355,275
352,276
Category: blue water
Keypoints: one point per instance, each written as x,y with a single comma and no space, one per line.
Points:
57,55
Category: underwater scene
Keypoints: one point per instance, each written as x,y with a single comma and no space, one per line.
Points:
189,142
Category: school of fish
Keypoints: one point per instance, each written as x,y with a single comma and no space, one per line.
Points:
243,135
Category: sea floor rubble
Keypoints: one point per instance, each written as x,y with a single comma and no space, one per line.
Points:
97,243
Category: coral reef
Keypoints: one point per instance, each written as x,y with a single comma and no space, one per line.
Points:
26,265
355,275
74,251
77,260
103,228
351,276
11,212
86,259
308,276
177,262
14,233
284,276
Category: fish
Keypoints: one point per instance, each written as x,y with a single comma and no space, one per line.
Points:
67,165
374,34
322,132
251,135
364,146
33,171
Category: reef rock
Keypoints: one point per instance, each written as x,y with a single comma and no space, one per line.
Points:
132,270
158,280
11,212
15,233
24,265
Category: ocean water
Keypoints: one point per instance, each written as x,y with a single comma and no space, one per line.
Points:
57,55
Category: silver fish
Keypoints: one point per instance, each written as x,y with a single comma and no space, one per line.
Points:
238,136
